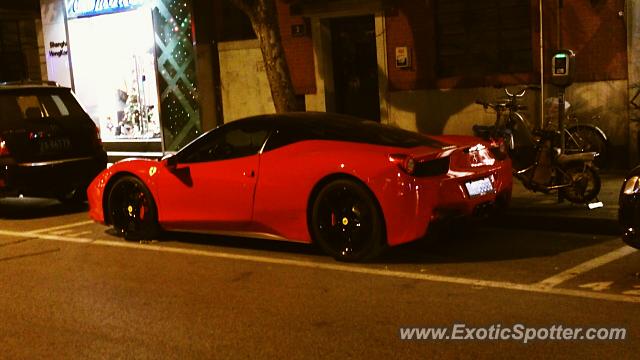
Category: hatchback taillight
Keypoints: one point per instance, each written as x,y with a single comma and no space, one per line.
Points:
4,149
98,139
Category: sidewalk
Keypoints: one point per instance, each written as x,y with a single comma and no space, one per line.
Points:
540,211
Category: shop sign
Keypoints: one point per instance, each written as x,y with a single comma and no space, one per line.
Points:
86,8
58,48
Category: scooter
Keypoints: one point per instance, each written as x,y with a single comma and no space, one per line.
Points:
537,160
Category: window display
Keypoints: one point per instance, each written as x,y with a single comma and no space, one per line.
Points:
115,75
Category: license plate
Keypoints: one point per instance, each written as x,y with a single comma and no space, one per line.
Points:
58,145
479,187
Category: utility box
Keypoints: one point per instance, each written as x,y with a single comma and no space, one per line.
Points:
563,68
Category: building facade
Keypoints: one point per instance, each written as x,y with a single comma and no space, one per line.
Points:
416,64
420,64
20,42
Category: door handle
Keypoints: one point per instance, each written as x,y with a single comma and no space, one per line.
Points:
250,173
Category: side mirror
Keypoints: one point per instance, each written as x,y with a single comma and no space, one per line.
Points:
170,161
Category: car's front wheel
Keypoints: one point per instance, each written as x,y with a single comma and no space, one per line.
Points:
346,222
132,210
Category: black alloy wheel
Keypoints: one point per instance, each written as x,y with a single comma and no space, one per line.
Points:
347,223
132,210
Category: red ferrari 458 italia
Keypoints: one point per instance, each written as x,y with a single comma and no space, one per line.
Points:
351,186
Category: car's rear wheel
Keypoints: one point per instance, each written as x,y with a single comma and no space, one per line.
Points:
132,210
346,222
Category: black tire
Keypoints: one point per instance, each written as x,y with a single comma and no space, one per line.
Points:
346,222
587,139
132,210
585,182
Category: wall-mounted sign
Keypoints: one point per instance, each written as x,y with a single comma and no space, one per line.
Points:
86,8
403,57
298,30
58,48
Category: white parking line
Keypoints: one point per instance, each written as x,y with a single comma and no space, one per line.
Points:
569,274
65,226
60,232
79,233
536,288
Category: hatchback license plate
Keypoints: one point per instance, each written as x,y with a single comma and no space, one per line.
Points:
479,187
58,145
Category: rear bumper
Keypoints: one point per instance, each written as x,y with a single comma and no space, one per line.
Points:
436,199
49,178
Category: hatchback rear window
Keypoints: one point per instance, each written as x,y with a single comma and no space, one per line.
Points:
22,106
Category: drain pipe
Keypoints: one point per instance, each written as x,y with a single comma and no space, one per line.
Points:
541,117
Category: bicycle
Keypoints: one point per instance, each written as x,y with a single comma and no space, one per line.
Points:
579,137
537,161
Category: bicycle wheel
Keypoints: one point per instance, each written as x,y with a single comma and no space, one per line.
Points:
585,183
586,139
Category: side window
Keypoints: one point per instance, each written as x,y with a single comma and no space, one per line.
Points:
283,137
227,143
11,111
54,105
30,107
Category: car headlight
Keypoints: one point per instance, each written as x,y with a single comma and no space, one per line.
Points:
631,186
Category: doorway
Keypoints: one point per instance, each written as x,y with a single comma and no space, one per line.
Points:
355,66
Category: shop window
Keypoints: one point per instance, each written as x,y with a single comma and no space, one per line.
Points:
235,23
115,73
479,38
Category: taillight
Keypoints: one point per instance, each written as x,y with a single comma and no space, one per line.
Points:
405,162
499,149
4,149
479,155
98,139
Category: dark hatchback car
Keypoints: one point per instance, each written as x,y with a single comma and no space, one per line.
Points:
629,208
49,146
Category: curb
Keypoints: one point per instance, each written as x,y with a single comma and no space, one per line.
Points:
535,211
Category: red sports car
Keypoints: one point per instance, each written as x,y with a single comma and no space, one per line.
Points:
351,186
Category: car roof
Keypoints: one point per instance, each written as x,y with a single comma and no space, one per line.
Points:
29,84
338,127
310,119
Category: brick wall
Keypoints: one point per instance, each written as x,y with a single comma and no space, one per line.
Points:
592,28
298,50
595,31
411,24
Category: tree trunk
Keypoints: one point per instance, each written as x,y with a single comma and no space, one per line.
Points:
264,20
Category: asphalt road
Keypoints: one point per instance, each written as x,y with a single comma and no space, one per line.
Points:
70,289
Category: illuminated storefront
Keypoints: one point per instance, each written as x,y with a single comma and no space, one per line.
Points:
131,64
114,71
